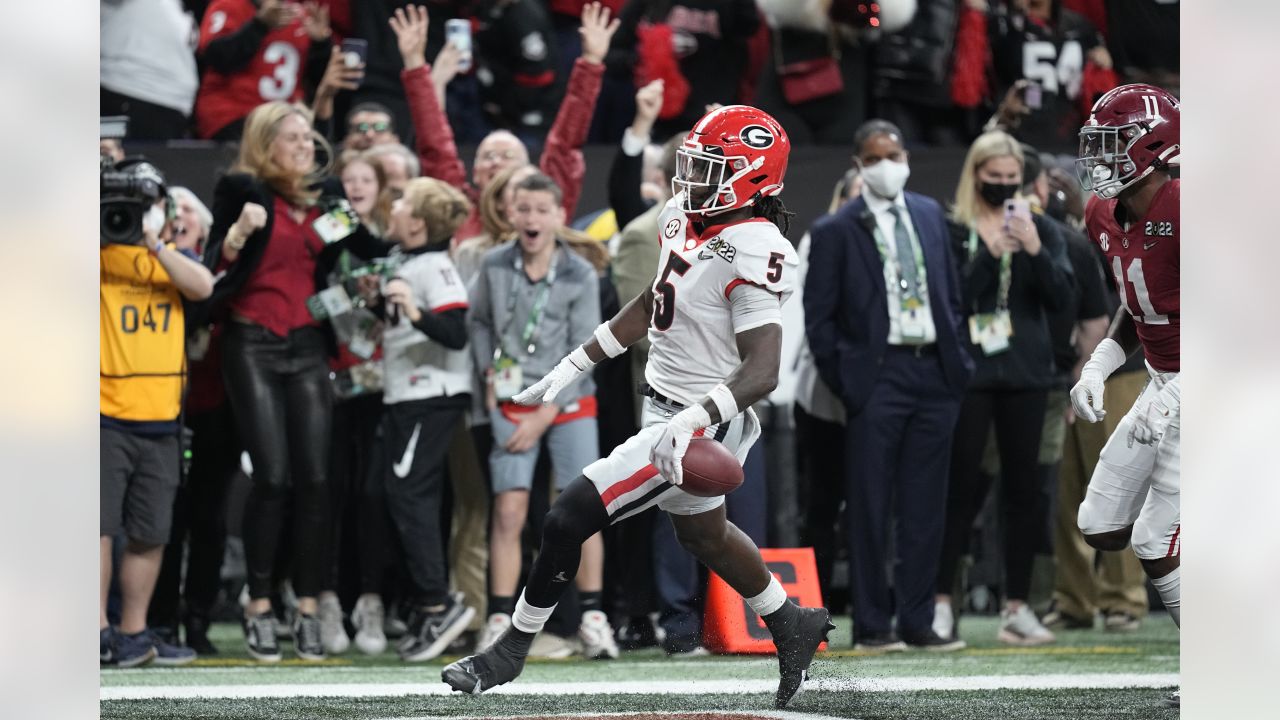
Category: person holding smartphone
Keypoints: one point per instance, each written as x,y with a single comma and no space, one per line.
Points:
1013,270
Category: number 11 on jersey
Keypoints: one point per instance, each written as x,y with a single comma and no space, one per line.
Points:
1146,311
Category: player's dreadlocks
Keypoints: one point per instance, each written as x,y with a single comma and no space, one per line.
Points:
772,209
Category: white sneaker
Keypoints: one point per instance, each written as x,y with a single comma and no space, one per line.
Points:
493,629
553,647
333,636
1020,627
368,617
597,637
944,623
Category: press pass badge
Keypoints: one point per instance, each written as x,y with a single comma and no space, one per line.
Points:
912,326
508,379
335,300
991,331
336,224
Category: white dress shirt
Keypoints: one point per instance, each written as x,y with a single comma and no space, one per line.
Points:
888,250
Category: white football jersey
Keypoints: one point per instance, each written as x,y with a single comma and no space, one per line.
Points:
414,366
691,333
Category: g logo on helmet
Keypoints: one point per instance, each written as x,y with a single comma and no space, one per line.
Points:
756,136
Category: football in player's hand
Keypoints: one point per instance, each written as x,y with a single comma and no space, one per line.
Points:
710,469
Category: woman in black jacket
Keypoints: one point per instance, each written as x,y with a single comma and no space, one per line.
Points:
276,229
1014,268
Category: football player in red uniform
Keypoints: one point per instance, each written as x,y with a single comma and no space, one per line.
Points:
1126,150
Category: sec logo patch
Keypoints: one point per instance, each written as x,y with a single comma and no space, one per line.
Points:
1104,241
672,228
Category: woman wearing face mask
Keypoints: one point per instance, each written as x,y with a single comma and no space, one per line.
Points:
277,228
1013,268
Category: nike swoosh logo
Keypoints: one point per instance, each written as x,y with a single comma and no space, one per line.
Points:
704,255
401,469
1148,246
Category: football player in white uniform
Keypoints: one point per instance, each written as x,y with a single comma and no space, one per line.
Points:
713,318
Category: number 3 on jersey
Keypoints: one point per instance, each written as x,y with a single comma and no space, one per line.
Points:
1145,312
664,301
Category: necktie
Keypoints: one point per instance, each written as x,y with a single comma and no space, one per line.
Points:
907,279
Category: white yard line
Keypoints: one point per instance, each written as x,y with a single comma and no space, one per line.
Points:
660,687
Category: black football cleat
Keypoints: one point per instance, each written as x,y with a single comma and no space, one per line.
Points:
495,666
797,642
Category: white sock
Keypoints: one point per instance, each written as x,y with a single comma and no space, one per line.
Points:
528,618
1170,589
770,600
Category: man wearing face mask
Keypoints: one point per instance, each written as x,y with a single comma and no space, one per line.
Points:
883,320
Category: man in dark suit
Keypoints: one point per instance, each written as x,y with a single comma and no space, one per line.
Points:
883,319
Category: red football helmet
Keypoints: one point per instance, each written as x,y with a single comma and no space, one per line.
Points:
732,156
1131,131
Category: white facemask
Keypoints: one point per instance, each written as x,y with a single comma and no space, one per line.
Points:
886,178
153,221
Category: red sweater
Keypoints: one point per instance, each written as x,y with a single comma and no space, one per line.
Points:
562,158
275,295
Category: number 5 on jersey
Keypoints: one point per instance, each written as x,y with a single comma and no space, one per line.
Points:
664,300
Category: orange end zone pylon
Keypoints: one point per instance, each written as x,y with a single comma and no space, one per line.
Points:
731,626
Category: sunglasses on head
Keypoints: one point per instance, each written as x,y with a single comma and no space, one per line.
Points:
379,126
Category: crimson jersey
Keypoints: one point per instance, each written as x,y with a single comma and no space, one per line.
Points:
274,73
1144,259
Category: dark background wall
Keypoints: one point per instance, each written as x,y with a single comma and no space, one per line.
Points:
811,174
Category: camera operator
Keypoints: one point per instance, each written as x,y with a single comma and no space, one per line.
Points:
143,282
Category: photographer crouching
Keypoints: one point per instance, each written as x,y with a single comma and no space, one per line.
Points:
143,282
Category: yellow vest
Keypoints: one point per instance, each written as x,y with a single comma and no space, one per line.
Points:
143,358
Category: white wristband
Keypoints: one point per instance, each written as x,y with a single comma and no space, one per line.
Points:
693,418
1106,358
608,342
724,402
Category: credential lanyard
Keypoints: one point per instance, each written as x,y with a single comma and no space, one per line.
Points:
1006,272
536,312
903,286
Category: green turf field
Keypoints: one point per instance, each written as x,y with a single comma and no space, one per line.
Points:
1087,674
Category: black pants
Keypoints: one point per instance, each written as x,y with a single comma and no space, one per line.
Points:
361,524
898,445
199,521
282,399
413,449
820,466
1019,418
147,121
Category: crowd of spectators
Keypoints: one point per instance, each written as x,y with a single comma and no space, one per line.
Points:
376,306
936,68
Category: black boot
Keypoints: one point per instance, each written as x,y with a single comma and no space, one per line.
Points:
797,633
198,635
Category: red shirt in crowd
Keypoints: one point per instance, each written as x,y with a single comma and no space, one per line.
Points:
274,73
275,295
